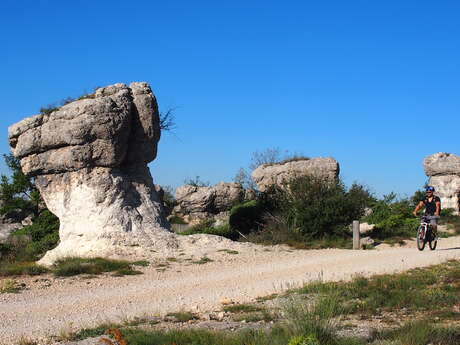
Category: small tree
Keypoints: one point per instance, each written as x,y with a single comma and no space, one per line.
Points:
18,194
19,197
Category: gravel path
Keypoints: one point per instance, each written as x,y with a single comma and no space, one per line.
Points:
51,306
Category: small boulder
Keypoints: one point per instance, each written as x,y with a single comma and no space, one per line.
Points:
279,173
196,203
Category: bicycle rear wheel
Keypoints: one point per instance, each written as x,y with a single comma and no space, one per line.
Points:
421,237
432,241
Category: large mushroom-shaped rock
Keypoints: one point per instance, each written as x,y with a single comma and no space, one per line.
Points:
196,203
279,173
443,170
90,159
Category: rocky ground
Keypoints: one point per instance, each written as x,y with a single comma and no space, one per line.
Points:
185,281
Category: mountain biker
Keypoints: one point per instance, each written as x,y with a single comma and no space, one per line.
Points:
432,205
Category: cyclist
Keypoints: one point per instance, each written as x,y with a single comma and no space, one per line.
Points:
432,205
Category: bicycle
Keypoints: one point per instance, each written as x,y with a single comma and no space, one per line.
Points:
425,234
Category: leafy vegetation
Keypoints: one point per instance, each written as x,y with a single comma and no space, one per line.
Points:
74,266
393,217
202,261
10,286
304,211
246,217
182,316
207,227
422,303
241,308
18,194
429,289
20,198
21,268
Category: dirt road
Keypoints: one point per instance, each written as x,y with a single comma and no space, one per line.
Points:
49,306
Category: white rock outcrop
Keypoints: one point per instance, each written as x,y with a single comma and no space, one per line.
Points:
443,170
90,159
279,173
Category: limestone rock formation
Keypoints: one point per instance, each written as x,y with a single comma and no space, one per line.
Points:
277,173
443,170
90,159
198,203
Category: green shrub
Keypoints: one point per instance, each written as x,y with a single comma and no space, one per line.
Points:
246,217
32,241
304,340
206,227
19,196
73,266
309,208
21,268
393,217
241,308
422,332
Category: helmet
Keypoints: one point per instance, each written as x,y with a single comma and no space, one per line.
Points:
429,188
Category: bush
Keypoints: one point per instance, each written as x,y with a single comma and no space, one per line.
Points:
316,208
19,196
44,235
206,227
393,217
246,217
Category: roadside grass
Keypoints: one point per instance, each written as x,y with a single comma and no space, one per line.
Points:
202,261
74,266
314,314
10,286
182,316
302,324
92,332
242,308
21,268
263,315
420,332
266,298
430,289
142,263
229,251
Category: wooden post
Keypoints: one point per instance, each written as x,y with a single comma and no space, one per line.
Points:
356,234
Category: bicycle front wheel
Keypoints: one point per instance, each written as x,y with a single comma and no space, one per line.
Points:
421,237
432,242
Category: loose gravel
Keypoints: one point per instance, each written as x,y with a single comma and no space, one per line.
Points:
52,306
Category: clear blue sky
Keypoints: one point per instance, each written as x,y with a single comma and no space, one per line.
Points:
375,85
